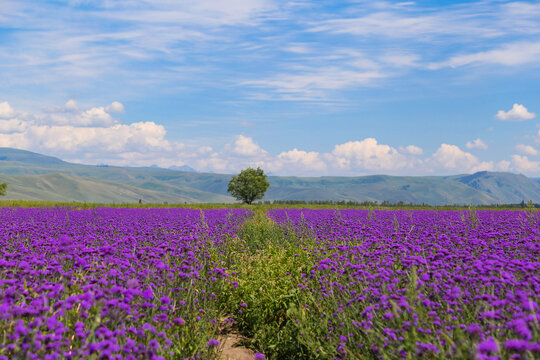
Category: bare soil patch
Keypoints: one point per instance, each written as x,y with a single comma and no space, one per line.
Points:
232,349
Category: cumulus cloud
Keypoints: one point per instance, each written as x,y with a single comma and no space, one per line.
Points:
527,149
523,164
12,125
452,157
411,149
245,146
6,111
368,154
71,105
504,165
476,144
517,113
350,158
94,117
204,150
71,114
79,133
360,157
308,160
93,136
115,108
117,138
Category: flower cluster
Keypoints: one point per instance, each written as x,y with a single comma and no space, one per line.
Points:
119,283
419,284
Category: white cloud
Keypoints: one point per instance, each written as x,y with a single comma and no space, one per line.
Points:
71,105
453,158
213,163
115,108
504,165
145,143
517,113
94,117
476,144
307,160
401,25
245,124
117,138
523,164
12,125
369,155
401,60
204,150
71,114
509,55
206,13
6,111
313,84
527,149
245,146
90,134
411,149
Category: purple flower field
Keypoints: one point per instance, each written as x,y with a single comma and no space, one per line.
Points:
420,284
307,284
113,283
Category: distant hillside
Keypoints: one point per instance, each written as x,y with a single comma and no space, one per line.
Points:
498,185
27,157
426,189
183,168
38,177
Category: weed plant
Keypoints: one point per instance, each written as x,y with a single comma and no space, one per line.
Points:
266,264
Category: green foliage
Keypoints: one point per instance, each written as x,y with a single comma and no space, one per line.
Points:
267,264
249,185
3,189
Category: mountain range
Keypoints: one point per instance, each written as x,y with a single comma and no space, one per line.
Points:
33,176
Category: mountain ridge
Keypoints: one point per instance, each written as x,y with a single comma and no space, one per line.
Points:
34,176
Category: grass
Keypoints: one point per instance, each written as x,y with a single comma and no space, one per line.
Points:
255,207
266,264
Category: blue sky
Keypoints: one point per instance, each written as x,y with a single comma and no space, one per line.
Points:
296,87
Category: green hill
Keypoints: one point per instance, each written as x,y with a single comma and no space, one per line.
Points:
34,176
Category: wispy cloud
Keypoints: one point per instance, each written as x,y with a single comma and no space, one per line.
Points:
313,84
472,20
161,42
403,25
513,54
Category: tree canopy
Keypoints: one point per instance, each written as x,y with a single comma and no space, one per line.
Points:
3,189
249,185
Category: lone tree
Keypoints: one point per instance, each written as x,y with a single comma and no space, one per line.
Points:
3,189
249,185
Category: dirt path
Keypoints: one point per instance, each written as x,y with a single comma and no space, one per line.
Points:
233,352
